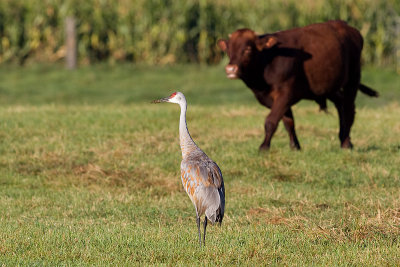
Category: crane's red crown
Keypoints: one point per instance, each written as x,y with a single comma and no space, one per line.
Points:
173,94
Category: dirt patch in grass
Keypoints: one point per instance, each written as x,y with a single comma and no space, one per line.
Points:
282,171
40,163
62,171
351,226
96,177
109,165
276,216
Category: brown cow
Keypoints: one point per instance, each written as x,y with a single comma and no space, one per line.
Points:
317,62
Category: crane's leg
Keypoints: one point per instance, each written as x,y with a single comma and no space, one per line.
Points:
204,234
198,228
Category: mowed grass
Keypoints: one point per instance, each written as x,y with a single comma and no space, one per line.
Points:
89,172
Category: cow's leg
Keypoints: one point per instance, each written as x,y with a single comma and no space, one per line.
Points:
349,96
349,113
346,111
278,109
338,100
288,121
350,92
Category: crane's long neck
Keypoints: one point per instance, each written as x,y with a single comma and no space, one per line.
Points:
186,141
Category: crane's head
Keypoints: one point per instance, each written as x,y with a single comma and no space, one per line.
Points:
176,97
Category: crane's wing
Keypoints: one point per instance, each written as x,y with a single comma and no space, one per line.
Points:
206,173
202,180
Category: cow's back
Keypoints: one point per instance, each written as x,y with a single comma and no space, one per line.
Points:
352,43
347,34
326,68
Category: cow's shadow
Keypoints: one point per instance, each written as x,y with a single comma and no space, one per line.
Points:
391,148
293,52
298,54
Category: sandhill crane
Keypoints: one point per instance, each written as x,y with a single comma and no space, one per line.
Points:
201,177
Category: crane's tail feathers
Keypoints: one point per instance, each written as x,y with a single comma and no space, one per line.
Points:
367,90
220,216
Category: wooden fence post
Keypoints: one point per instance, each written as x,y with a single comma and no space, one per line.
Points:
70,43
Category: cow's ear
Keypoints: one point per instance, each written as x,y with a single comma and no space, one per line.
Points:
271,42
223,44
267,42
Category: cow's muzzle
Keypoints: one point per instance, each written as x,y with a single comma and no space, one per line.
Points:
231,71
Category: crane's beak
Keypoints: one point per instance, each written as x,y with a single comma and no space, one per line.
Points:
165,99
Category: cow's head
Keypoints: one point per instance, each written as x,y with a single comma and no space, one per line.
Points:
243,48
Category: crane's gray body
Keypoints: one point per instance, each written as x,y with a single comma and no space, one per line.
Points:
202,180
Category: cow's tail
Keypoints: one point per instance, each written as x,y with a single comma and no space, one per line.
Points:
368,91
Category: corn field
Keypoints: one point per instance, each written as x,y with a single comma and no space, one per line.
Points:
179,31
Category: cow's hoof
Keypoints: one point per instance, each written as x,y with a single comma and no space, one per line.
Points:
295,147
263,148
347,144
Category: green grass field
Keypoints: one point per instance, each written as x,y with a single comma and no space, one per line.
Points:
89,172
